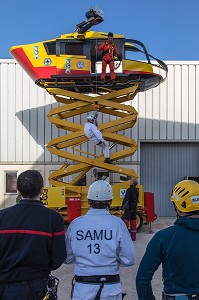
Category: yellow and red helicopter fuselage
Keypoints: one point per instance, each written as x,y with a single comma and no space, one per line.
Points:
71,61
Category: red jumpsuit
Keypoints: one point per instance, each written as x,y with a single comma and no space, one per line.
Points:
109,51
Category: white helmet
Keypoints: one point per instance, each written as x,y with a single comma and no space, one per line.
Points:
100,190
90,117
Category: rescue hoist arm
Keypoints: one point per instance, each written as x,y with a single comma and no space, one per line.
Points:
94,16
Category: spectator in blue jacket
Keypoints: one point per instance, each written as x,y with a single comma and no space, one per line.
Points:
176,248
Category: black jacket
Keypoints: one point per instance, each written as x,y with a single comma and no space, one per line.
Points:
130,199
32,241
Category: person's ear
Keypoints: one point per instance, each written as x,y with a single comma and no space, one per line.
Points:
109,202
41,191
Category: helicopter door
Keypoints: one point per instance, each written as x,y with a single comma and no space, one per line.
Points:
96,57
71,58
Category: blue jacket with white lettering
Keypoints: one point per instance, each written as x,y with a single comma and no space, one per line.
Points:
99,243
31,241
176,248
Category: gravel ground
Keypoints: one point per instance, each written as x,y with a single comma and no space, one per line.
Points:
65,272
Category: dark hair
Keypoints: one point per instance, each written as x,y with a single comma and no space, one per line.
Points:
29,183
110,34
99,204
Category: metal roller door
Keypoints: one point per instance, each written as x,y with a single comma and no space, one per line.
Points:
162,165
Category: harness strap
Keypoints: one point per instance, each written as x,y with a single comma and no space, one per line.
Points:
97,297
97,279
106,60
110,47
73,285
109,50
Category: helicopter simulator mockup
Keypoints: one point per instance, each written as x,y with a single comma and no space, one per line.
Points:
73,62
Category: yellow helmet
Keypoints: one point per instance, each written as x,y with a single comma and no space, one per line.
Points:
185,195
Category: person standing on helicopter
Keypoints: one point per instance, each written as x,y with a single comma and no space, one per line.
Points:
109,54
95,136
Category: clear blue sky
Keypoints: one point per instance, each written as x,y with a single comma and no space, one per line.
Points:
168,28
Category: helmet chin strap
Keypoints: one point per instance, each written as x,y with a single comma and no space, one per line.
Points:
177,213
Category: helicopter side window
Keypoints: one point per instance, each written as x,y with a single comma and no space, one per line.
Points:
71,48
50,48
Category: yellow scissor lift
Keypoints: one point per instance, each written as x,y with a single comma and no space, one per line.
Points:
68,68
74,104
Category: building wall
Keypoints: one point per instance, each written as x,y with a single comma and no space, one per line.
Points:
169,112
162,165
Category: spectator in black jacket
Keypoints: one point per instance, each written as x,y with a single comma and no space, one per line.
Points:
31,242
129,206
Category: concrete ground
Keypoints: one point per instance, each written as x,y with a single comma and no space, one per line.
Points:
65,272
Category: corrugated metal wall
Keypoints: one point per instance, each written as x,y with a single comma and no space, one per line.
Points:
162,165
171,111
24,128
168,112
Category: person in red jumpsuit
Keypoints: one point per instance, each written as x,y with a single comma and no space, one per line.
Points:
108,55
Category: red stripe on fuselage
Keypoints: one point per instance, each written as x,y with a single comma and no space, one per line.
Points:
78,72
34,72
44,72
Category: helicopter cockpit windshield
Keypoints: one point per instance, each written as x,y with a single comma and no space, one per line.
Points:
135,50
